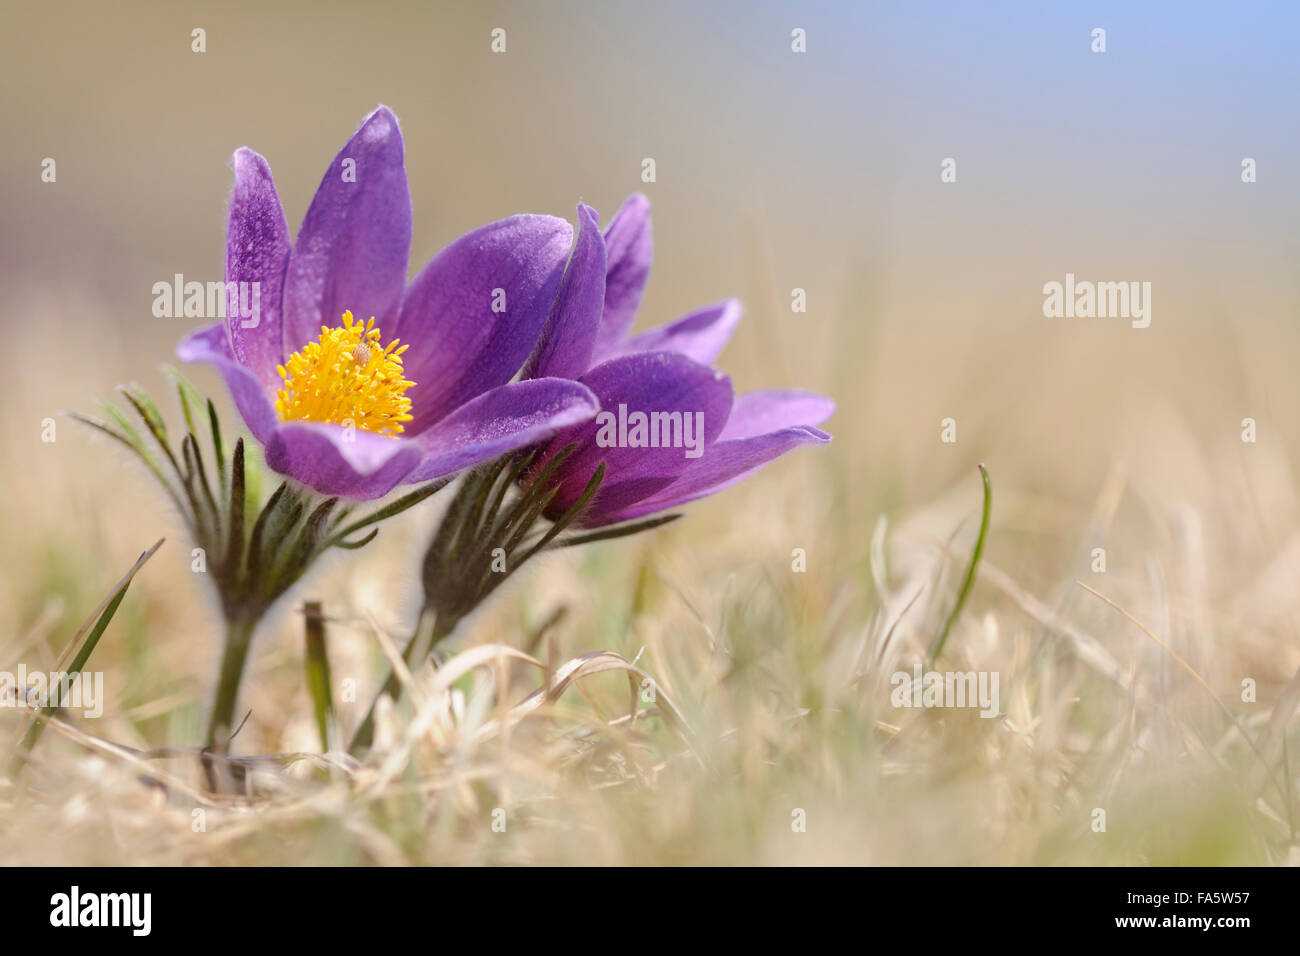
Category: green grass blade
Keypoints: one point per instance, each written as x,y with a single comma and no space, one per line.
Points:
101,616
318,670
968,580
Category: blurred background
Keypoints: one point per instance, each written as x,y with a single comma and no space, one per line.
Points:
775,171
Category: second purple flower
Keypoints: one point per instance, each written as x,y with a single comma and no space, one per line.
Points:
670,430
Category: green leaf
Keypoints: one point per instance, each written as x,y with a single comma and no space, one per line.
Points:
134,443
618,531
538,486
297,557
409,500
184,392
480,511
235,533
356,545
576,509
218,450
506,483
148,413
259,530
194,465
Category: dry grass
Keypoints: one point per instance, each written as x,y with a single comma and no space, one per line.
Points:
1119,691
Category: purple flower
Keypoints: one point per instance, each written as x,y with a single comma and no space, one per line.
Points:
669,430
338,404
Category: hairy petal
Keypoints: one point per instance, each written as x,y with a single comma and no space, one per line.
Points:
257,251
615,498
770,409
701,335
355,242
647,383
251,397
351,463
502,420
629,245
569,335
473,314
725,463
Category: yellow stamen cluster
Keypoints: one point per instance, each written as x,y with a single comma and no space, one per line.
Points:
347,376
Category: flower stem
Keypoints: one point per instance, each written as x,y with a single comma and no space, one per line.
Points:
429,632
239,638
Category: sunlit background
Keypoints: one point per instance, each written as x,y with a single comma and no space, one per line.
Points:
775,171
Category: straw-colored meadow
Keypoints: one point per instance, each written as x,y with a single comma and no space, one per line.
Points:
767,734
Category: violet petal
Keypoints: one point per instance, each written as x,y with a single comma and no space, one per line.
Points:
629,245
473,314
649,382
724,464
252,398
501,420
615,498
767,410
349,462
569,335
352,251
257,251
701,335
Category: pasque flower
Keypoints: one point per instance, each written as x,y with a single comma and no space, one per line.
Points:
663,372
579,477
353,380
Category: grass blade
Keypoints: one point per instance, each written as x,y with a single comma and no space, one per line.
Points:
318,670
101,616
968,580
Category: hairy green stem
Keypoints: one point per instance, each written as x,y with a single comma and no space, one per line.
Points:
239,638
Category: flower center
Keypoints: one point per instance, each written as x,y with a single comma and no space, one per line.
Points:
346,377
